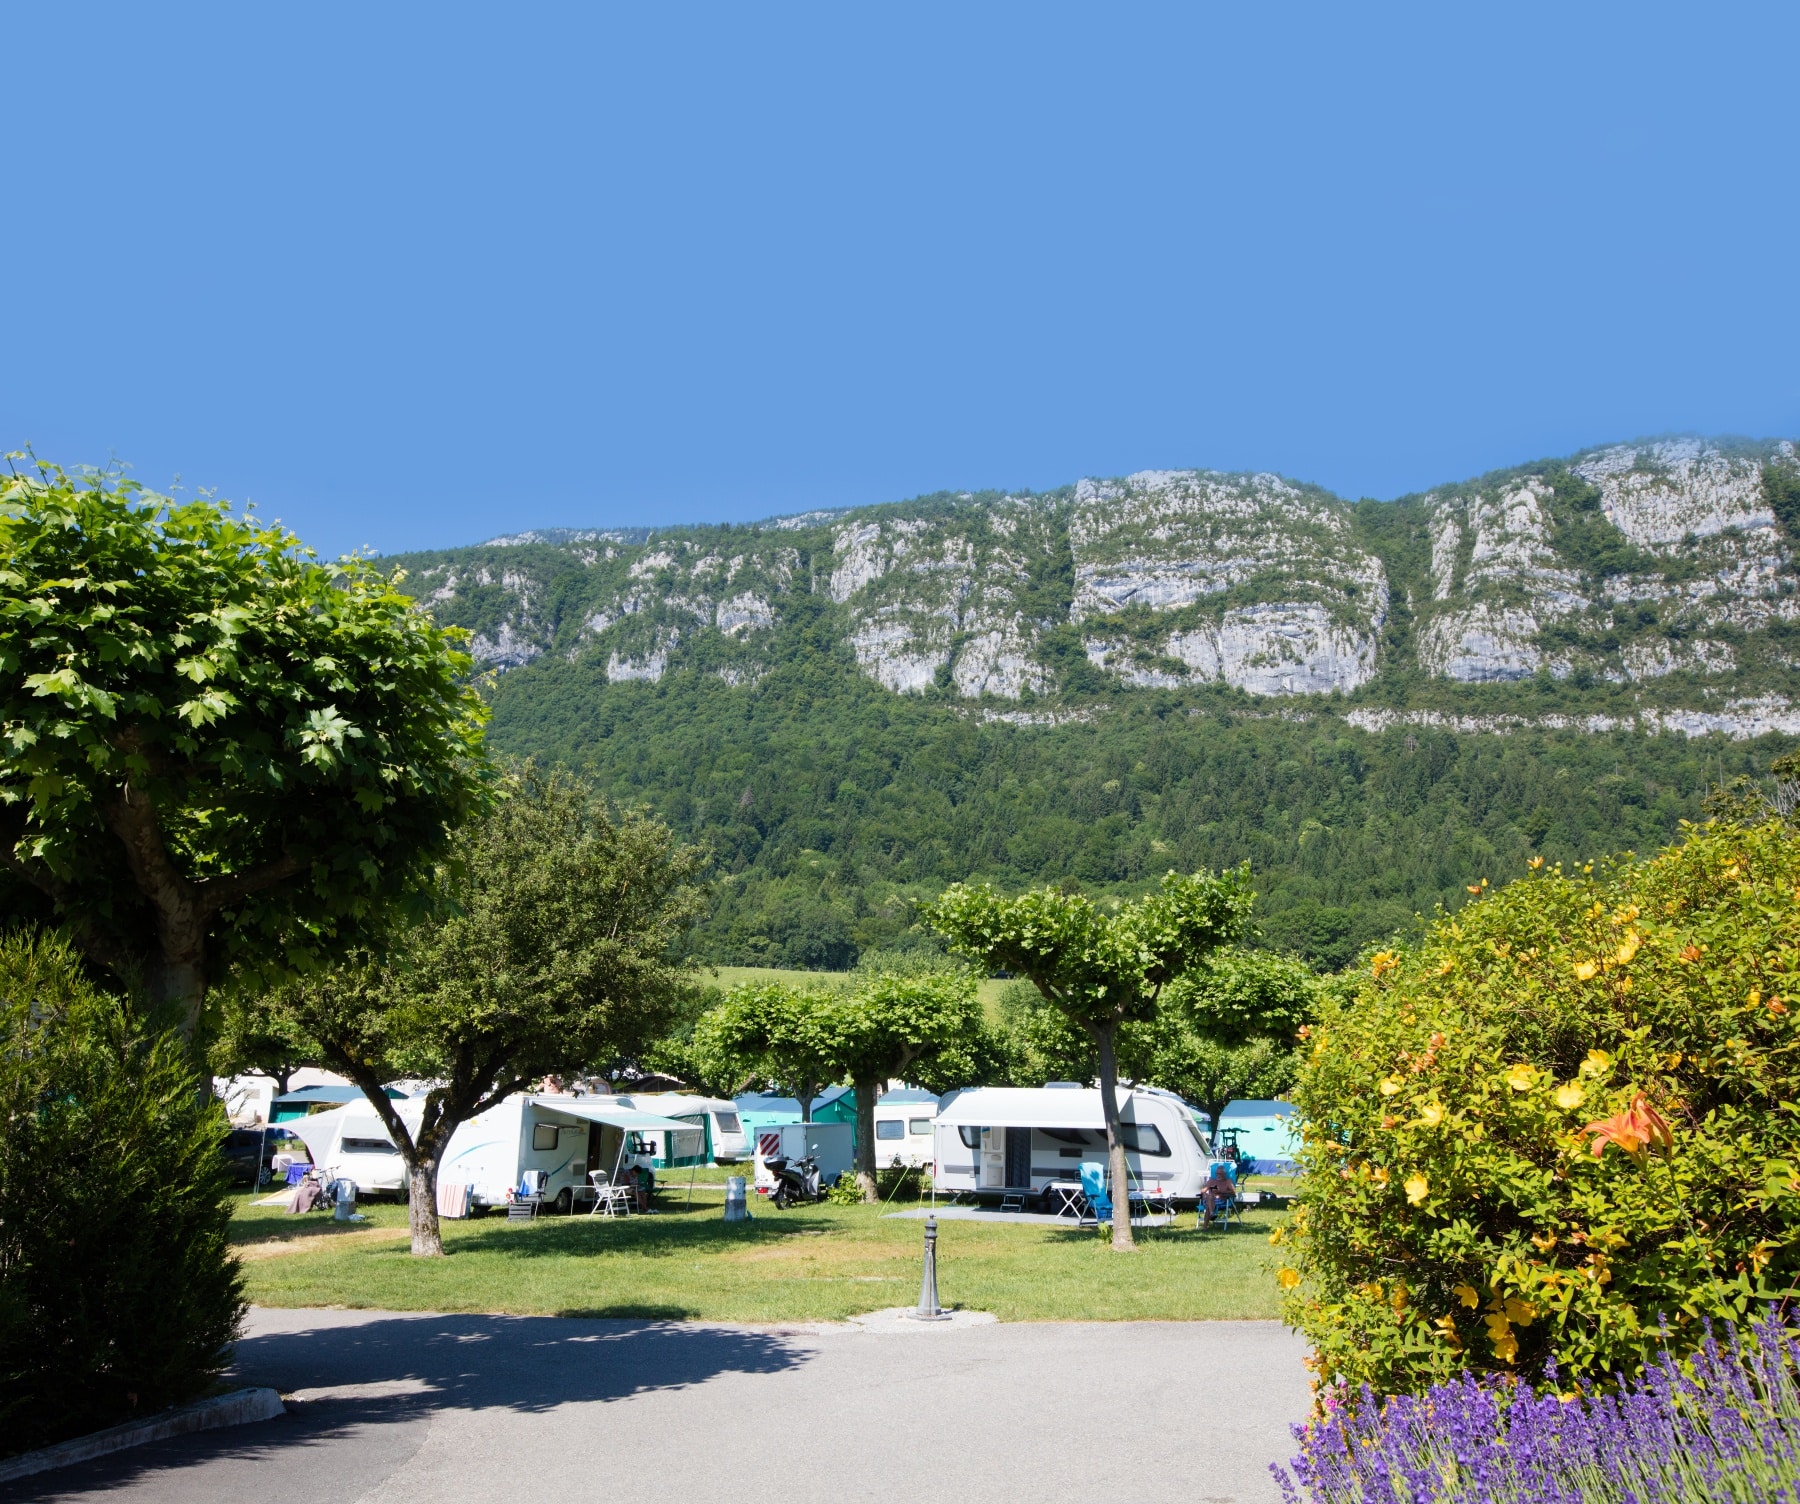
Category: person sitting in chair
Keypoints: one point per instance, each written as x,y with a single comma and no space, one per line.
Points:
1218,1191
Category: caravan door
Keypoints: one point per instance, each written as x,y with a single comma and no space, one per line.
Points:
993,1159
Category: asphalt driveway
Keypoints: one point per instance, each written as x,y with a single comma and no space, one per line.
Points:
445,1409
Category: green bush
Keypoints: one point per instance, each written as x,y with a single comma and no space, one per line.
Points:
118,1295
1454,1212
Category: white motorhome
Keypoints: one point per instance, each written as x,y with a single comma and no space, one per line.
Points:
563,1138
994,1142
903,1129
724,1142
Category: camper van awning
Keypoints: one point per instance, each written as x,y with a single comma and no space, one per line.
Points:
1027,1107
617,1117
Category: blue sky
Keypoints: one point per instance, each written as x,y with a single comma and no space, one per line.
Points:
413,276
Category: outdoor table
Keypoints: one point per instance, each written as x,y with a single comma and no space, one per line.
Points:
1065,1197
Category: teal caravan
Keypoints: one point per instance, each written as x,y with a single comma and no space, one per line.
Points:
1266,1131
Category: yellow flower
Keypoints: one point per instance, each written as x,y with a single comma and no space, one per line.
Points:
1535,863
1521,1077
1466,1294
1584,970
1628,947
1382,962
1417,1188
1431,1114
1596,1063
1446,966
1506,1346
1287,1278
1756,997
1391,1086
1520,1312
1570,1096
1447,1326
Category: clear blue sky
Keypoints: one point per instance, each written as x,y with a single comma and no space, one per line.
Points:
412,276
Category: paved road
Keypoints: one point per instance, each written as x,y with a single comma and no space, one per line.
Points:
408,1409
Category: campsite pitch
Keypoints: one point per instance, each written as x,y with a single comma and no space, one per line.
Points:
820,1263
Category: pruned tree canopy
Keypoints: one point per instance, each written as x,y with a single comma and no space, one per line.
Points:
213,748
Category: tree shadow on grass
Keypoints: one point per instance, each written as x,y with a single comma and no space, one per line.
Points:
638,1237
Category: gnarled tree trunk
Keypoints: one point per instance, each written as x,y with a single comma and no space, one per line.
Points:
1117,1175
421,1202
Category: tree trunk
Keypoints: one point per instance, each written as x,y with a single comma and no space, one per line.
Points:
1117,1178
865,1139
421,1203
180,980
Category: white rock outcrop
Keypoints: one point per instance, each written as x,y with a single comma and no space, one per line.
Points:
1662,493
1481,644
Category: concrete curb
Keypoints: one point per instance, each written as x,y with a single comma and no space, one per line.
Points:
232,1409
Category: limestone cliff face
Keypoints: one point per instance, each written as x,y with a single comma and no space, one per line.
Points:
1631,563
1188,576
1668,563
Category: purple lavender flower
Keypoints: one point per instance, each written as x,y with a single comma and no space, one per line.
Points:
1721,1425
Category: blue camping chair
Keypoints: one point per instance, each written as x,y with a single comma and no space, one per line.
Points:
1093,1186
1227,1208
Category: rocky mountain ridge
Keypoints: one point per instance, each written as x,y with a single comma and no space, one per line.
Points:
1668,568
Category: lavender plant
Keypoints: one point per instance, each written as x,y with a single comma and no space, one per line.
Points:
1723,1425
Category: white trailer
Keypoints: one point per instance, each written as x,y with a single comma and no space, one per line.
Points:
994,1142
827,1143
903,1132
562,1138
725,1142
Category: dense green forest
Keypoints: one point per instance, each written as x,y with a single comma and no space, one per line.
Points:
829,803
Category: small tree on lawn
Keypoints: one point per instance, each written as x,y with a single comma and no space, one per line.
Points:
769,1034
926,1028
555,957
1227,1028
1102,969
258,1036
214,749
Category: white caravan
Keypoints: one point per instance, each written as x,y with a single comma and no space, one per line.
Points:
994,1142
718,1118
563,1138
903,1132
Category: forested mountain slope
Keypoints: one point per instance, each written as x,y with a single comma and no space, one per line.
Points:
1376,703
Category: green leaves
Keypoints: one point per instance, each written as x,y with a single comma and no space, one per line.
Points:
1098,967
1487,1059
272,715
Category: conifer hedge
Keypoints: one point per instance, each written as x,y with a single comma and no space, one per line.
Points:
118,1294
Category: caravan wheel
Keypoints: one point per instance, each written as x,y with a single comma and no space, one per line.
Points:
564,1203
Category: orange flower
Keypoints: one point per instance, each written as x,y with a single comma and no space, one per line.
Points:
1638,1128
1691,952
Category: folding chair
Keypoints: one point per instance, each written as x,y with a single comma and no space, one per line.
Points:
1093,1186
1225,1207
609,1200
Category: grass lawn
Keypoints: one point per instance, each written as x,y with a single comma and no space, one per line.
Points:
821,1263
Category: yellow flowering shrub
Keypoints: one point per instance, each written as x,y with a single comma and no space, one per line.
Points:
1454,1213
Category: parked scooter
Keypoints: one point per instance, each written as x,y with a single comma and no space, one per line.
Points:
796,1181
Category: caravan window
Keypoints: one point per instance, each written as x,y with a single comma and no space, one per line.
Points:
1075,1136
367,1146
919,1125
890,1128
1144,1138
728,1122
971,1137
543,1136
